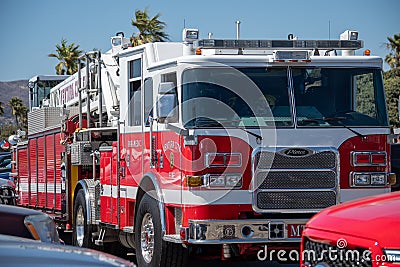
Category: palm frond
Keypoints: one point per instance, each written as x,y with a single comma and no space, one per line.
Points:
149,29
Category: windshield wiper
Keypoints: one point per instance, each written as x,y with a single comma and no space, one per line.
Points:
338,120
328,119
259,137
207,122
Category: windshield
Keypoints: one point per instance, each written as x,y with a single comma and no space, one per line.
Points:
215,97
338,96
261,97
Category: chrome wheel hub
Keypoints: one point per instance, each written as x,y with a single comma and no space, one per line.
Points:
80,226
147,237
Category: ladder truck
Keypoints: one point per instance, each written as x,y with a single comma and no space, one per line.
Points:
206,146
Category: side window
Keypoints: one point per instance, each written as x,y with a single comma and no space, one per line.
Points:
134,94
171,77
148,100
365,98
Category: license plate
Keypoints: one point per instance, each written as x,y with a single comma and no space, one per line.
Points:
295,230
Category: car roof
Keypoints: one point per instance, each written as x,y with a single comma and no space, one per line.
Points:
24,252
8,209
375,216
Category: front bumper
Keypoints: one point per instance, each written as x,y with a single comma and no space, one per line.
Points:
244,231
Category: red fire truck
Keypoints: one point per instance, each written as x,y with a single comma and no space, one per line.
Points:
205,146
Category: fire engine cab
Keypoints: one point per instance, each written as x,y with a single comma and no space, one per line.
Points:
205,145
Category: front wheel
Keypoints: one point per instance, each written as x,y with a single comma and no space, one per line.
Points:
151,249
82,234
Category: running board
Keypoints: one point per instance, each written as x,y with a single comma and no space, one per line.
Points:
106,236
172,238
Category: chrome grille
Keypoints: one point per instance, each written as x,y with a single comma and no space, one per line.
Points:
291,183
300,179
316,252
273,160
296,200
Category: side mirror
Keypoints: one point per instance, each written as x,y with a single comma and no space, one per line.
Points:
166,102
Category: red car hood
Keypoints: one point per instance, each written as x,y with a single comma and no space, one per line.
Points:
376,218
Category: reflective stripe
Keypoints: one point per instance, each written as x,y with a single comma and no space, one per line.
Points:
24,187
112,191
218,197
186,197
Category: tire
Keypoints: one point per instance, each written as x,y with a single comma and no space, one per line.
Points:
148,235
82,234
115,248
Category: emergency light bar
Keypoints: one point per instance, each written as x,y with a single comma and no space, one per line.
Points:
279,44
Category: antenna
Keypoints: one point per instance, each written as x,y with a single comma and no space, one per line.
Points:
184,23
329,29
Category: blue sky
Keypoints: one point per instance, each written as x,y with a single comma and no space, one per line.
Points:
30,29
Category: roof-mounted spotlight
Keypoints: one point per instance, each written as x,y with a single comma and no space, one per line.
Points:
349,35
190,35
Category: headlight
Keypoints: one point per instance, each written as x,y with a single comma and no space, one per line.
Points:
368,179
378,179
219,181
233,180
42,228
392,255
361,179
215,181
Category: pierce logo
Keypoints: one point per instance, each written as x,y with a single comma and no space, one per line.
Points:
296,152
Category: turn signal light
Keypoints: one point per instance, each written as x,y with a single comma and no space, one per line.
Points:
362,158
372,158
392,178
33,231
234,159
194,180
218,160
378,158
214,160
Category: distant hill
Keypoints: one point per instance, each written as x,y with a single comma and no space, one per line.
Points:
9,90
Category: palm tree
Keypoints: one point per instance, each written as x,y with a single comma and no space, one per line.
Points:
15,103
68,56
1,108
23,116
150,29
393,58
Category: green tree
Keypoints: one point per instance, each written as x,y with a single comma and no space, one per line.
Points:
15,103
1,108
392,85
23,116
19,111
149,29
365,94
6,130
393,58
68,56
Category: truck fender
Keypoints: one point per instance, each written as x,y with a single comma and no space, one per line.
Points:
92,195
149,183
